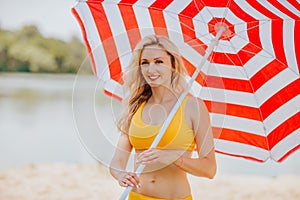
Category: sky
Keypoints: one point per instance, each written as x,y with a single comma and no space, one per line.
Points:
52,17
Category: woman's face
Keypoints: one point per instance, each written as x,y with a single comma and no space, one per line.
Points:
156,66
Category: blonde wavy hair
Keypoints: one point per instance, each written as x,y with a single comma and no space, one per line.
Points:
135,84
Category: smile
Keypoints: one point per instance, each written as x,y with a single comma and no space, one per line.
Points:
153,77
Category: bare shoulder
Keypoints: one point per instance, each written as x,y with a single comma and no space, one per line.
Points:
195,104
195,110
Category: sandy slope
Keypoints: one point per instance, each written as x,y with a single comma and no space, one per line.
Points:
65,181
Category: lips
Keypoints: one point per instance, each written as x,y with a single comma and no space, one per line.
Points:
153,77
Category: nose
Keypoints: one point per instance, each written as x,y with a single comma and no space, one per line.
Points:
151,67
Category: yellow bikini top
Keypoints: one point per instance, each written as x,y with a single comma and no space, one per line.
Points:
178,136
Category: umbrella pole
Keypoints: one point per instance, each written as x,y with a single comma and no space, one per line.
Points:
166,124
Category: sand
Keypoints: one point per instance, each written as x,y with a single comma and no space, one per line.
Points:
71,181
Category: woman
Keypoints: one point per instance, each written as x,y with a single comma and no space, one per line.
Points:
156,78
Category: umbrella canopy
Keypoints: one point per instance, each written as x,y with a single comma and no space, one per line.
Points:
250,82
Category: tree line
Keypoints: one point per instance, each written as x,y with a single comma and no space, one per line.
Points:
26,50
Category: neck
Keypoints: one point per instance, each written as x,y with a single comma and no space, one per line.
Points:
163,94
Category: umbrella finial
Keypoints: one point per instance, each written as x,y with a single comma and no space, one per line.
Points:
226,32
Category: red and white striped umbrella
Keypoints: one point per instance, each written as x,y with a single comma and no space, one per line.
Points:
253,71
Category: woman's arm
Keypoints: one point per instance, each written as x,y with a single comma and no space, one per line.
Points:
119,162
205,164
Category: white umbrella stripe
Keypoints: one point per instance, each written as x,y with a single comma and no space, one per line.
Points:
237,124
93,37
290,7
289,45
225,96
237,148
226,71
176,7
273,9
271,87
255,64
119,33
143,19
265,32
286,145
282,114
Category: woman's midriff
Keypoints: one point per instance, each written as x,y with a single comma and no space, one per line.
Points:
164,182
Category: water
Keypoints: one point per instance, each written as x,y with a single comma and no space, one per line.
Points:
41,122
36,123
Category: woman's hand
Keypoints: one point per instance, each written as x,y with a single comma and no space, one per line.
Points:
157,156
127,179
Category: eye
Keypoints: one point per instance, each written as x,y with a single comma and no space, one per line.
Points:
144,63
159,62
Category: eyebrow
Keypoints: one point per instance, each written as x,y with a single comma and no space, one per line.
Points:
153,59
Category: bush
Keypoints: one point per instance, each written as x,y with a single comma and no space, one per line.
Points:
26,50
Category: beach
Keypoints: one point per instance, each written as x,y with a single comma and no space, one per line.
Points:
73,181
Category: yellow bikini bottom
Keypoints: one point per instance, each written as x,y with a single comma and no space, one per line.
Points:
136,196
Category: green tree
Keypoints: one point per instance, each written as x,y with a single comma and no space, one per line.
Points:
76,55
34,57
28,51
5,42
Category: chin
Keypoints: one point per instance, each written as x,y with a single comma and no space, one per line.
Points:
154,85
